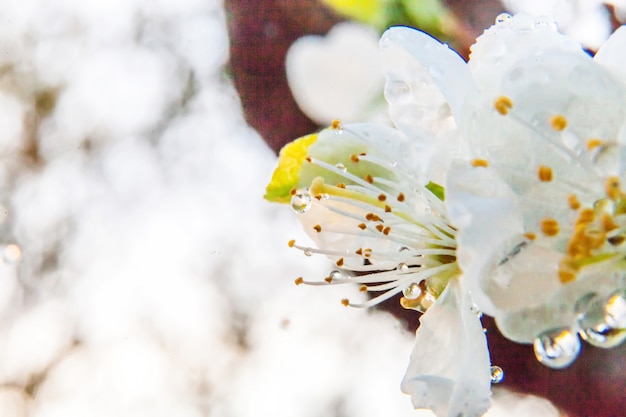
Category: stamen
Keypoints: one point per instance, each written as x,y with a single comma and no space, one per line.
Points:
550,227
503,104
299,281
480,163
339,262
593,143
345,302
573,202
317,228
558,122
530,235
354,158
336,124
291,243
545,173
382,197
400,197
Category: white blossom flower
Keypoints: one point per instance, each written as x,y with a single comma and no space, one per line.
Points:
534,181
358,194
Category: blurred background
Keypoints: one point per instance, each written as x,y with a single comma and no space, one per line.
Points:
141,272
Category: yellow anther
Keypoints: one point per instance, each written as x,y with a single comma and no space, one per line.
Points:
336,124
317,228
400,197
566,275
544,173
369,178
503,104
612,187
291,243
550,227
328,279
593,143
382,197
380,227
354,158
362,226
363,288
387,208
339,262
345,302
480,163
574,204
558,122
586,216
299,281
386,230
341,185
530,235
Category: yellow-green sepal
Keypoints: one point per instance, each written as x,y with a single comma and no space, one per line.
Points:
286,176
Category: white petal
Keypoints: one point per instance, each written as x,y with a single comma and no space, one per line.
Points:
486,213
419,60
611,54
449,369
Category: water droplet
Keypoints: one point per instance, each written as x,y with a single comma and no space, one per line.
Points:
615,309
341,167
476,310
435,71
301,202
557,348
604,336
604,206
497,374
307,253
503,19
403,267
412,292
335,275
396,90
545,22
598,324
11,254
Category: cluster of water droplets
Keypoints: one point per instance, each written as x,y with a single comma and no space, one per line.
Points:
601,322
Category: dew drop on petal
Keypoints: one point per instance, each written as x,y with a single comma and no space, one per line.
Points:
412,292
301,202
597,324
341,167
603,336
545,22
497,374
307,253
615,309
557,348
403,267
11,254
397,90
476,310
503,18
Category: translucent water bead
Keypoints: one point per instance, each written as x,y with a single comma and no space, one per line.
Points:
602,319
557,348
497,374
301,202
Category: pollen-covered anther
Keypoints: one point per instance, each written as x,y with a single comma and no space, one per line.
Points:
544,173
480,163
573,202
317,228
503,104
566,275
354,158
369,178
336,124
612,187
586,216
594,143
550,227
363,288
293,191
291,243
530,235
341,185
308,159
382,197
328,279
299,281
387,208
339,262
345,302
558,122
386,231
372,217
359,251
380,227
362,226
401,197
